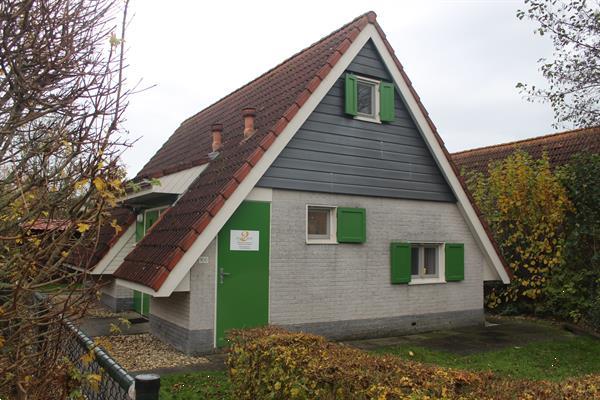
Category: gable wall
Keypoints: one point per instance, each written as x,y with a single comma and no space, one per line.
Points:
334,153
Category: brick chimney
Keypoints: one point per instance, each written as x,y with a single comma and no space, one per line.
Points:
249,114
217,136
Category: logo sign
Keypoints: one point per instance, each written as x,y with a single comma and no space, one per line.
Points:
243,240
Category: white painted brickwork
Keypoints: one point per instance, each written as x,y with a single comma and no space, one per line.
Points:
110,287
175,308
321,283
202,290
193,310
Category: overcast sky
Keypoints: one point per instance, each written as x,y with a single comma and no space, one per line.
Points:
463,57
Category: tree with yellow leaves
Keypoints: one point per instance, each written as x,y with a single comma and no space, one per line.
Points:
61,105
525,205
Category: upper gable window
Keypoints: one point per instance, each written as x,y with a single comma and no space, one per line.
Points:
369,99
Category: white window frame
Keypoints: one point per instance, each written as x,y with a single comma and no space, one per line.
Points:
332,225
441,261
376,106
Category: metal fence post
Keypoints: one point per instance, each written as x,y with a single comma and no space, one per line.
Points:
147,386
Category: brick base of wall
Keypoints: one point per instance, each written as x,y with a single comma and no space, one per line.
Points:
191,342
393,326
117,304
196,342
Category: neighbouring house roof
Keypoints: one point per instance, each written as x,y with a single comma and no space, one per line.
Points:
277,95
44,224
560,148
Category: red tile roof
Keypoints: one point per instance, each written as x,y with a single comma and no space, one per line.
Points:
559,147
277,95
44,224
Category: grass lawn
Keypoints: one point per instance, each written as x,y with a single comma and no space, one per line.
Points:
551,360
196,385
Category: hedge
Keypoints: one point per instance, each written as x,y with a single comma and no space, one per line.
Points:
270,363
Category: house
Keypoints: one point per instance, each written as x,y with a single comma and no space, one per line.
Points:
559,147
318,197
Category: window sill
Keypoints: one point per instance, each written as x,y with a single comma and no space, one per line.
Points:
321,241
426,281
367,119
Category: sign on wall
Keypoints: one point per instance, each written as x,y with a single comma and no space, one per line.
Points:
244,240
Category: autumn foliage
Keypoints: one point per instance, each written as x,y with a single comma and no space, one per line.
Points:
525,206
270,363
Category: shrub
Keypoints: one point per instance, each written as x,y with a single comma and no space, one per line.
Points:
574,289
270,363
525,206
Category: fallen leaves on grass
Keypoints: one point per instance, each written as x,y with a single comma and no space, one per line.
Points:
145,352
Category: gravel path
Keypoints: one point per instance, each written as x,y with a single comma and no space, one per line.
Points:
145,352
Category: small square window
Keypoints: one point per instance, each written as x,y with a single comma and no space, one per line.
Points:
425,261
320,224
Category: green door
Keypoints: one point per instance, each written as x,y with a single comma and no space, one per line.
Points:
150,218
243,269
141,302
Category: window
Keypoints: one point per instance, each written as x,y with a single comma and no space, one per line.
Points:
366,98
320,224
369,99
425,261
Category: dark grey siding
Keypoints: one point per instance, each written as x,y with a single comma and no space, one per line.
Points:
334,153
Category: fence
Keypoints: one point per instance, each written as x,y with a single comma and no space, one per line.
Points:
114,383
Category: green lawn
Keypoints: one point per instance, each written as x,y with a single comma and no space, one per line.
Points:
551,360
196,385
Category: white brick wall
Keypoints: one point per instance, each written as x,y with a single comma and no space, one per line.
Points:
202,291
110,287
192,310
175,308
320,283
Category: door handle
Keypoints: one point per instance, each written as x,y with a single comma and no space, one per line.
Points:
222,275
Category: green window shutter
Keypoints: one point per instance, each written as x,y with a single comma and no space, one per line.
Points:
386,101
400,259
351,225
351,94
139,228
455,262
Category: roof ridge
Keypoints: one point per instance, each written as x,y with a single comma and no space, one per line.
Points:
527,140
280,64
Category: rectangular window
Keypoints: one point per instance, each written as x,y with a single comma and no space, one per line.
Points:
320,224
425,261
367,99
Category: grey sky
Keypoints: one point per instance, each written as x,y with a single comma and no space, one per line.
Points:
463,57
